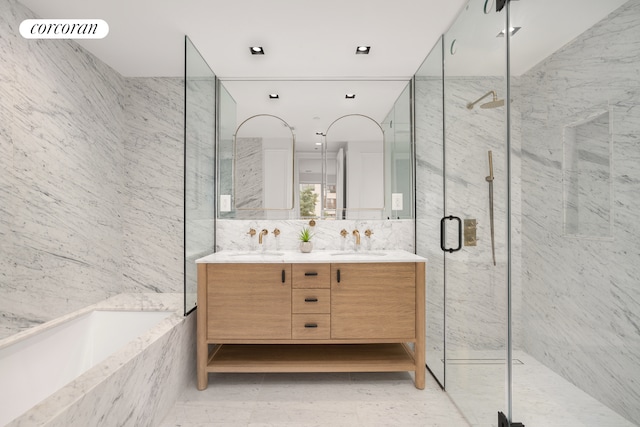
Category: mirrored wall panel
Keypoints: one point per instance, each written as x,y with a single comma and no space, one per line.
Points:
321,120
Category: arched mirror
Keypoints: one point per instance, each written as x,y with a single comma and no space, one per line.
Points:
263,148
354,168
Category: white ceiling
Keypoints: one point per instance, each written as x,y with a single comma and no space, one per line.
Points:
302,38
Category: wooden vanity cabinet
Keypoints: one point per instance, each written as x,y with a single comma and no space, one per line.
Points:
373,301
311,302
316,317
248,302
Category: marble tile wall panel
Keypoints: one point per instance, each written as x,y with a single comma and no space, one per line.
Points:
92,190
200,177
200,162
63,164
153,187
394,234
581,310
7,193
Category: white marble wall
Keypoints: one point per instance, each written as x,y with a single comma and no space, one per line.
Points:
200,177
91,184
389,234
62,167
581,295
153,185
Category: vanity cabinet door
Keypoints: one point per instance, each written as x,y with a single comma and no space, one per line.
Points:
248,301
373,301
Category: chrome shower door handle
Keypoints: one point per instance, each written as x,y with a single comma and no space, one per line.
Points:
442,232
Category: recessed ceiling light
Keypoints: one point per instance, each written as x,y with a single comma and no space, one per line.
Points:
512,31
274,96
256,50
363,50
350,96
318,143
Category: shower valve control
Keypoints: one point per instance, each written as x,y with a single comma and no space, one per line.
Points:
470,227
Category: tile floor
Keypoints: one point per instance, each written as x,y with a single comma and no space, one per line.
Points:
541,399
314,400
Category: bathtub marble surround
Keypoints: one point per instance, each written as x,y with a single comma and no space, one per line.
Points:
135,385
387,234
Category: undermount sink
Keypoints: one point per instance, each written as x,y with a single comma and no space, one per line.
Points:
353,253
257,253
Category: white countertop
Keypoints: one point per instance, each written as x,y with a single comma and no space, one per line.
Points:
323,256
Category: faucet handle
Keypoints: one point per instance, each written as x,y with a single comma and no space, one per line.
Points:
344,233
368,233
276,232
252,232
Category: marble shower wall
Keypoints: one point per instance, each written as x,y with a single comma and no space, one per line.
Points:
581,310
91,182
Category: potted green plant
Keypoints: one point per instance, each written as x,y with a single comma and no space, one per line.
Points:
305,240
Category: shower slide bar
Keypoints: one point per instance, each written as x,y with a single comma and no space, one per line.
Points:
490,181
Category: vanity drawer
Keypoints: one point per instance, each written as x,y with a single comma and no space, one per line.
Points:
311,276
311,301
310,326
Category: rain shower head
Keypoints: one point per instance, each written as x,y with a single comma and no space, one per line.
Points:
494,103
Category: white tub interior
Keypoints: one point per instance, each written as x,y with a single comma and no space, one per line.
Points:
36,367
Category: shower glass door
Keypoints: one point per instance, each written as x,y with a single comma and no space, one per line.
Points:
429,134
474,226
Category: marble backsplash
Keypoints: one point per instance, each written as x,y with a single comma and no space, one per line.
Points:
387,234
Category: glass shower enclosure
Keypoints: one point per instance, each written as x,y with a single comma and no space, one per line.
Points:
526,130
199,168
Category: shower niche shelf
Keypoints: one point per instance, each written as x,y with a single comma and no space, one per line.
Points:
587,182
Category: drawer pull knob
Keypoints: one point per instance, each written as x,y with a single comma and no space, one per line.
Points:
310,325
311,300
311,273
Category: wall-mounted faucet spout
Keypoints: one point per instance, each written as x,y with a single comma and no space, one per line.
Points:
356,233
264,232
